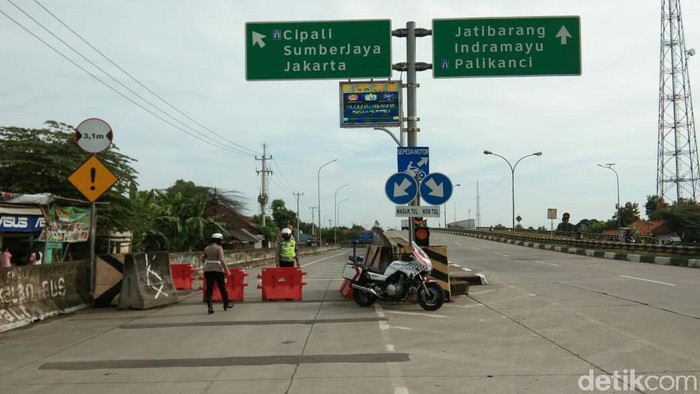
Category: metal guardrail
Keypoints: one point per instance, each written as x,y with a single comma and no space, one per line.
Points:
650,248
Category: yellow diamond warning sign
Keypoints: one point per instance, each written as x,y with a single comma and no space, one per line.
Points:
92,179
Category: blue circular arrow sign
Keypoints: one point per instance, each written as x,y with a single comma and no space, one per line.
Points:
435,189
401,188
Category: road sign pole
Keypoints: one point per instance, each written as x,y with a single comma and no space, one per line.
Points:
412,120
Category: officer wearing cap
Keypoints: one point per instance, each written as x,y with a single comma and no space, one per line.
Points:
214,269
287,252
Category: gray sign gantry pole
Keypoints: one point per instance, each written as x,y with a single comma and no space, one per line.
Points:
411,85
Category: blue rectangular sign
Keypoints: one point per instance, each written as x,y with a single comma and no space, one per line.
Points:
21,223
413,160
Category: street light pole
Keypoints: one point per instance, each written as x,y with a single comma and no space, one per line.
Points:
617,180
512,178
335,204
444,206
337,207
318,181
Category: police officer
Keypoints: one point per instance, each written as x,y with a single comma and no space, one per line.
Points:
214,269
287,252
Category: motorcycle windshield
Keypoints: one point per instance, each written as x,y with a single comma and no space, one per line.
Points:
421,256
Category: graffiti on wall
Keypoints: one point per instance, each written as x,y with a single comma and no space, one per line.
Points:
153,279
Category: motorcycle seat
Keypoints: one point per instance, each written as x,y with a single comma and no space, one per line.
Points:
375,270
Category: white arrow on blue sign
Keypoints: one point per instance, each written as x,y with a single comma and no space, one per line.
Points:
435,189
401,188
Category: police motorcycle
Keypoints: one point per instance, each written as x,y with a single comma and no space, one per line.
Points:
399,282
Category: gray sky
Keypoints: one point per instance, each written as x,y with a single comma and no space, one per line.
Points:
192,54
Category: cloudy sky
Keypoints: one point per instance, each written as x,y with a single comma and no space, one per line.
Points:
192,55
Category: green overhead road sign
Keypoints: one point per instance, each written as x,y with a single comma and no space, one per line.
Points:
320,49
491,47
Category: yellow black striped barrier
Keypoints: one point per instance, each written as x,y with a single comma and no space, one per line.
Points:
438,256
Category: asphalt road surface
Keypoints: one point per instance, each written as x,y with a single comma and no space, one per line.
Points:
547,322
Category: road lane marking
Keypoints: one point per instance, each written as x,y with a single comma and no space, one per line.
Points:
415,314
473,248
467,269
457,243
504,255
395,373
552,264
649,280
323,259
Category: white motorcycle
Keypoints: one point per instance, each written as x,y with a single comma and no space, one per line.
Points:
399,282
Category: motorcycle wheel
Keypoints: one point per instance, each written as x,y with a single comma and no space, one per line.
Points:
362,298
432,299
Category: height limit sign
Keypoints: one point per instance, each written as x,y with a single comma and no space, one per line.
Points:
93,135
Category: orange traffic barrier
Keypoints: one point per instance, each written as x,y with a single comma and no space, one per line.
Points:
235,286
346,289
182,276
281,283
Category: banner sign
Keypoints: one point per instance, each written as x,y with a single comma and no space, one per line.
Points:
67,224
370,104
21,223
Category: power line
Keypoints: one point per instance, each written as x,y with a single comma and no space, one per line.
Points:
217,145
139,82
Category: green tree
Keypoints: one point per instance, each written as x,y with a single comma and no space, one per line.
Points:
654,206
41,160
683,218
628,214
281,215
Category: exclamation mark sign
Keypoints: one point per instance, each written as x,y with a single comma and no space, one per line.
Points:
92,178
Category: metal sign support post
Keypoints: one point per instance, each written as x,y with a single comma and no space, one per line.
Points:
93,234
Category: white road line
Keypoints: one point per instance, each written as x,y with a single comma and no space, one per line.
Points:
395,374
504,255
467,269
457,243
649,280
323,259
415,314
552,264
454,265
473,248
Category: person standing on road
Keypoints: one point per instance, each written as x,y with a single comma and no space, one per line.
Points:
287,253
5,258
214,269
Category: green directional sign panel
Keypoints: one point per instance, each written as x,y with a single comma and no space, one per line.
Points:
318,50
492,47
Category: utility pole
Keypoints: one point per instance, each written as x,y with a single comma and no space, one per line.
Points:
478,211
313,220
297,196
263,197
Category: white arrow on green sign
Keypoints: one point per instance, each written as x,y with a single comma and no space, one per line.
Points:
318,50
489,47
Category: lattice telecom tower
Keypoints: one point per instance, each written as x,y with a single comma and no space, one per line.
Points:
677,158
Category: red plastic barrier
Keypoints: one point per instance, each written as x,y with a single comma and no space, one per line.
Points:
235,286
182,276
281,283
346,289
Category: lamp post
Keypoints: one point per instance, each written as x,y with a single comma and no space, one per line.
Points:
512,178
444,206
318,180
337,207
335,214
617,180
